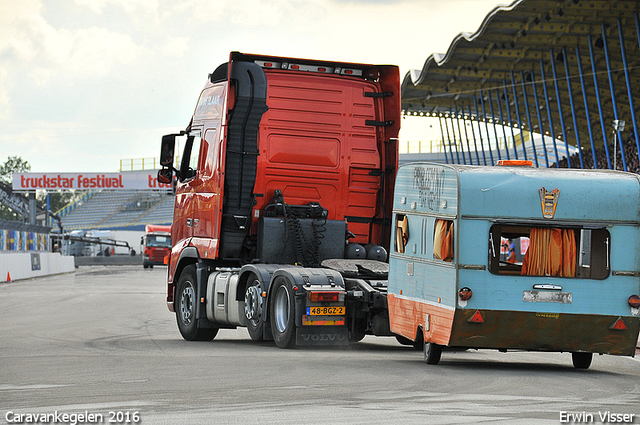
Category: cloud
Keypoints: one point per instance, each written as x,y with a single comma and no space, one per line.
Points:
28,41
96,78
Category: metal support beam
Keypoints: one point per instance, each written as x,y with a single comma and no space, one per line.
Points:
32,207
526,105
473,134
454,137
493,121
504,131
475,102
540,127
444,145
460,134
628,80
506,102
586,108
573,109
613,96
562,127
549,113
515,100
598,102
486,124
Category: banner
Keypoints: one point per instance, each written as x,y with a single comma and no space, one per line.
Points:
130,180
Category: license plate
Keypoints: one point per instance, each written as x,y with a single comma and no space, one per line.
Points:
325,311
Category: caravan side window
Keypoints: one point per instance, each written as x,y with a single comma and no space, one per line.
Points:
443,248
402,233
549,251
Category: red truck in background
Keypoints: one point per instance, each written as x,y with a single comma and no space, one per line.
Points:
283,201
155,244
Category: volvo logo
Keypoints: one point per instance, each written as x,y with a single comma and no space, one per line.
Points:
323,337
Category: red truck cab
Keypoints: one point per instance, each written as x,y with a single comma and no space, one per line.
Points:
155,244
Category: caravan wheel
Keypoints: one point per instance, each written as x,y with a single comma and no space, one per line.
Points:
432,352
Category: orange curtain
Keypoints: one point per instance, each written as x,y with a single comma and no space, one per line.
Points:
443,240
552,252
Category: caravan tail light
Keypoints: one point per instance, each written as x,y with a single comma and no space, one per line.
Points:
619,325
465,294
634,301
330,296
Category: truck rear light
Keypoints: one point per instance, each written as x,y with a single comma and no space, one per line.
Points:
465,294
326,296
634,301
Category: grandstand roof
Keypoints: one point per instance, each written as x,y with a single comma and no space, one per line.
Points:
521,42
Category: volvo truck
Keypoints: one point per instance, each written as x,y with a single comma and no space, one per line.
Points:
283,201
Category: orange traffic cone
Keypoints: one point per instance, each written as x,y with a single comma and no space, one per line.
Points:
8,277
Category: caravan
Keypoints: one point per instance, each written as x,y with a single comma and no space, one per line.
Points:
574,282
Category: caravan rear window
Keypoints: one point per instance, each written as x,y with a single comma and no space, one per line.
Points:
549,251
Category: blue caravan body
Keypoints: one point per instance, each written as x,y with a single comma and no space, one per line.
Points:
516,257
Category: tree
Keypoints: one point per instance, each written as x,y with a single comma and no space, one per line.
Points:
14,164
57,199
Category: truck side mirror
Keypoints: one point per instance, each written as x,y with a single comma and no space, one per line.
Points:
165,175
167,150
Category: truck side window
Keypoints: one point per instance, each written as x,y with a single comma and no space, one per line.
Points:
189,164
443,240
549,251
402,233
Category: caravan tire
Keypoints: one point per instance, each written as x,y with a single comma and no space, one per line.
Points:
432,352
581,360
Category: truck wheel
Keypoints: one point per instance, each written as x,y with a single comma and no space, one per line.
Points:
252,308
282,314
432,352
186,308
581,360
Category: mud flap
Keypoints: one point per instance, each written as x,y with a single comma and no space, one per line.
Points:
321,335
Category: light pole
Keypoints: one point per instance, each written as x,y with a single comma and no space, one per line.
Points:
618,125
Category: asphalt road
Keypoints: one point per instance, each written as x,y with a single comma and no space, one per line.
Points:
101,341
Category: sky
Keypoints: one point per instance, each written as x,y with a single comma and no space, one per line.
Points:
85,84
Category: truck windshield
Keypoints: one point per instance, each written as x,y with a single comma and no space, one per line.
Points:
549,251
159,241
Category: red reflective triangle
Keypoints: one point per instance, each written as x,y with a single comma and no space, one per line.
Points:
619,325
476,318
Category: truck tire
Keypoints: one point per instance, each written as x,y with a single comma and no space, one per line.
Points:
252,298
186,297
432,352
581,360
282,313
